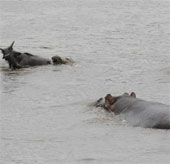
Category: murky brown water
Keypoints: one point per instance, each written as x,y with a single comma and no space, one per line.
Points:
118,46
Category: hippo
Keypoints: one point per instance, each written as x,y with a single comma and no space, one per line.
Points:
137,112
18,60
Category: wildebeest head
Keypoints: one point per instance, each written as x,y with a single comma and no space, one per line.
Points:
7,51
110,100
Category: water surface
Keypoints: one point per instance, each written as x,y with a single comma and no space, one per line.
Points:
118,46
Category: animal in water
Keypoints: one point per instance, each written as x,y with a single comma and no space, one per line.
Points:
137,112
18,60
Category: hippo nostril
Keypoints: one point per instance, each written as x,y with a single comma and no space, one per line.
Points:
100,102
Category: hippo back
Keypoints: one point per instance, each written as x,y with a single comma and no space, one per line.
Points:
142,113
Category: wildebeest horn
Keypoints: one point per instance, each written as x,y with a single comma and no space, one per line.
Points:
12,44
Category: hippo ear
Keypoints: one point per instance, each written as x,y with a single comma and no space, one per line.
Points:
133,94
11,46
109,99
1,49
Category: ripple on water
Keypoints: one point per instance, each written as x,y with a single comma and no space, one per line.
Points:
118,46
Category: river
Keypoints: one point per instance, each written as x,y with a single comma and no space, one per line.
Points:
118,46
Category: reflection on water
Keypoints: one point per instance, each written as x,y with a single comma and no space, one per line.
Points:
118,46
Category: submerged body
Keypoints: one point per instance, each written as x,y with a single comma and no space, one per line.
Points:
138,112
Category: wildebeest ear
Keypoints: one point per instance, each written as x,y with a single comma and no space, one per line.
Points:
133,94
2,50
111,100
12,44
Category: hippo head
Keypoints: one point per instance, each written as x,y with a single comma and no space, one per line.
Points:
6,52
110,100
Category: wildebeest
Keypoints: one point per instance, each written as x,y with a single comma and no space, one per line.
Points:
18,60
137,112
